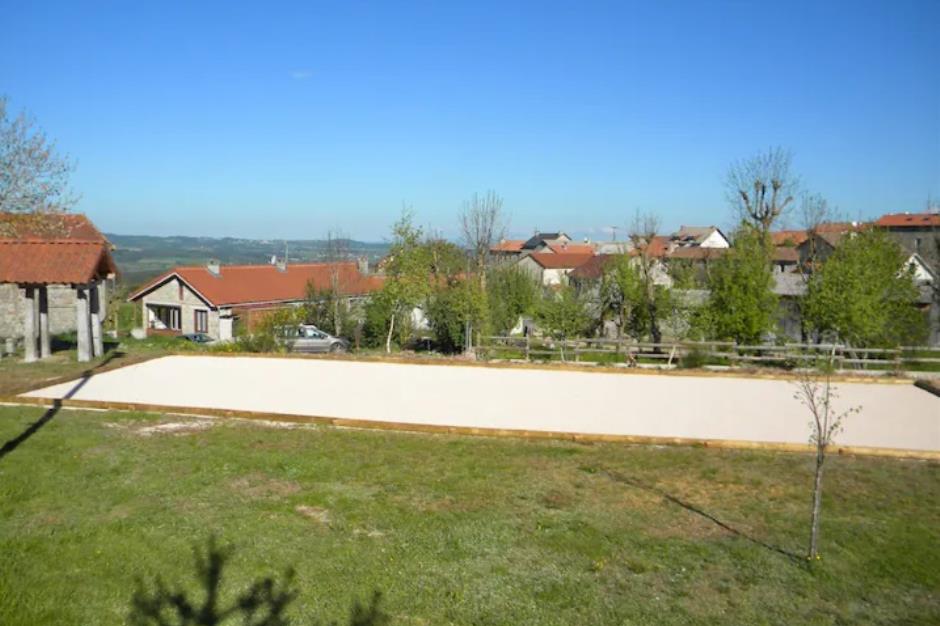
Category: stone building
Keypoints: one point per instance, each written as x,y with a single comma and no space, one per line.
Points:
54,272
210,299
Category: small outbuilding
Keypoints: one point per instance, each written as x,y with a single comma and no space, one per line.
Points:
54,271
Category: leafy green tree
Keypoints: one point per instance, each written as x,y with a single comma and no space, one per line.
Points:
408,282
563,314
640,304
376,314
510,294
742,305
455,304
452,309
864,295
324,308
635,289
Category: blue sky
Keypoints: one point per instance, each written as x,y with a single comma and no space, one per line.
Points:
276,120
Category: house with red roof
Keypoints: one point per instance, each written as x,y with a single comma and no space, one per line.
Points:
507,248
918,233
552,268
211,298
54,274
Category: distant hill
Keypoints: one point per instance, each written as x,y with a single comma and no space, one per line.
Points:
141,257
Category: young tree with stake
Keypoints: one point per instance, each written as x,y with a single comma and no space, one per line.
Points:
818,395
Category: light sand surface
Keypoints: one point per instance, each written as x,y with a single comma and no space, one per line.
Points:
893,416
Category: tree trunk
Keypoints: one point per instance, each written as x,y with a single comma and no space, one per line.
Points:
817,504
336,324
656,333
391,329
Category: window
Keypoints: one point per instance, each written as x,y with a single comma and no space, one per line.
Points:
202,321
167,316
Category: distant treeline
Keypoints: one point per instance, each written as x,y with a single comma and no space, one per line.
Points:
141,257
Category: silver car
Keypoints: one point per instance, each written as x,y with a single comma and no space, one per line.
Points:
308,338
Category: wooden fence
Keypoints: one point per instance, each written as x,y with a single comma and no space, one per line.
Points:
633,353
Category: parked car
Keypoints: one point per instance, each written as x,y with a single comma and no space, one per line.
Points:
309,338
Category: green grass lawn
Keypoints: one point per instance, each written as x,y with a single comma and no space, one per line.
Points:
456,530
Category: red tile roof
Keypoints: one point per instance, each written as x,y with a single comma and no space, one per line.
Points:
796,237
786,254
247,284
70,226
508,245
658,247
697,253
52,249
788,237
53,262
571,248
909,220
592,268
560,260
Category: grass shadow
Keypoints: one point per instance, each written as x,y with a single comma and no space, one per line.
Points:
264,603
626,480
50,413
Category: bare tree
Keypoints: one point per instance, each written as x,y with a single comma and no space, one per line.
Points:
337,253
816,392
761,188
482,224
814,212
33,177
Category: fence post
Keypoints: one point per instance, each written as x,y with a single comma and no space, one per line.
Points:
528,340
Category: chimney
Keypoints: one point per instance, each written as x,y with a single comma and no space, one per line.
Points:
214,267
281,265
363,263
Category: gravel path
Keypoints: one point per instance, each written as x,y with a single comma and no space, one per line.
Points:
893,415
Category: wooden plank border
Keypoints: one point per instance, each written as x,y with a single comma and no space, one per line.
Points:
366,424
585,368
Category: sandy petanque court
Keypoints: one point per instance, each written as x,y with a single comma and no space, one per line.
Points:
897,416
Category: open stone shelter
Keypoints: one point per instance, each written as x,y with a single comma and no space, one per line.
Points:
54,273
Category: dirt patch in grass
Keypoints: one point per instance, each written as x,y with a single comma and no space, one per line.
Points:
175,428
259,486
164,428
314,513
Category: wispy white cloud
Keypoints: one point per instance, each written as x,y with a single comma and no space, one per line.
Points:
301,74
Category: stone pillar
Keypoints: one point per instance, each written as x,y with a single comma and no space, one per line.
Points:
82,323
45,342
30,324
94,299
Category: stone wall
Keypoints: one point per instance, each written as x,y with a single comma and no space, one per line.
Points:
13,303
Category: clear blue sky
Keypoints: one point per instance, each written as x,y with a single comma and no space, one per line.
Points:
282,120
